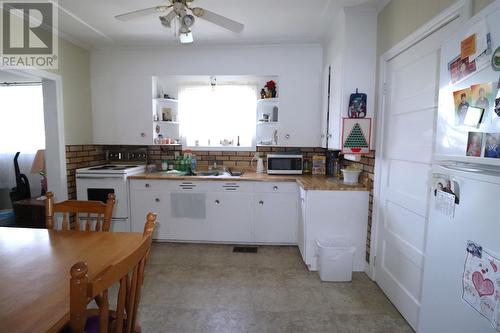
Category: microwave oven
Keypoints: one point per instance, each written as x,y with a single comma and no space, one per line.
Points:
284,164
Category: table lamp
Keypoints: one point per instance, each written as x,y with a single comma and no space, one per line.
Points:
38,166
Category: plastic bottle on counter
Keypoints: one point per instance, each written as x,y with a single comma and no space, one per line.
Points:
193,163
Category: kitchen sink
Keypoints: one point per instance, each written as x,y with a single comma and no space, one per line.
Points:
216,173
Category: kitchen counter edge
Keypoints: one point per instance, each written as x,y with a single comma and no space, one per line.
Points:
308,183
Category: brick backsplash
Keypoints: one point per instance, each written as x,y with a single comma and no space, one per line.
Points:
367,164
81,156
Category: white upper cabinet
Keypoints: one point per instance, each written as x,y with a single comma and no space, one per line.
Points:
122,110
351,56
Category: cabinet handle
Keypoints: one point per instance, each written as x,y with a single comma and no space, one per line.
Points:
143,135
157,200
275,188
146,185
217,202
287,136
261,203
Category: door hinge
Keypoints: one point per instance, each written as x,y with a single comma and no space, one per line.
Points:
374,260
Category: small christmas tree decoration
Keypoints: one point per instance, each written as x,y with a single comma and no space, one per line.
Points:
356,136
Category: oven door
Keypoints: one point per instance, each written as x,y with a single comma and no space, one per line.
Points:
93,187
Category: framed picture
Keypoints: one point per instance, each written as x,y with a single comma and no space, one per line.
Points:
356,133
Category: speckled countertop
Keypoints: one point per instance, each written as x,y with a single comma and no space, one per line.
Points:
307,182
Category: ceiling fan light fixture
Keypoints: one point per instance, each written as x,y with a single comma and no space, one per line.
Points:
187,20
186,37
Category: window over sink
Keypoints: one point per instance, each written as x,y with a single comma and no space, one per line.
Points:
218,115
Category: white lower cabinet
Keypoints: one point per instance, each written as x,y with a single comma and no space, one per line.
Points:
276,217
217,211
143,202
230,216
330,215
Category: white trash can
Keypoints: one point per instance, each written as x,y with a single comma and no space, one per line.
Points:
335,257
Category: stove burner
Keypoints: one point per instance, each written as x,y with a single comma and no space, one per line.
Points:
113,167
104,167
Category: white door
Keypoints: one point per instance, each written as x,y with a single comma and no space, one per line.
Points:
405,151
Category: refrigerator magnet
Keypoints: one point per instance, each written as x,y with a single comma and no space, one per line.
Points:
495,59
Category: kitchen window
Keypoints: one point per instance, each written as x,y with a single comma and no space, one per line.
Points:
216,116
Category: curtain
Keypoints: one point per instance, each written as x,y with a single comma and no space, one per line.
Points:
21,129
217,113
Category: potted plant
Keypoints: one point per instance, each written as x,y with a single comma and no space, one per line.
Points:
271,88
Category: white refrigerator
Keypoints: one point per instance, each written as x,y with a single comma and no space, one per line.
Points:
461,281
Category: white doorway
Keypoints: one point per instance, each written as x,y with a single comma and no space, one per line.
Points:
405,148
55,155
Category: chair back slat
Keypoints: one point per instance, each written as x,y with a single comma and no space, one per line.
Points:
128,272
72,210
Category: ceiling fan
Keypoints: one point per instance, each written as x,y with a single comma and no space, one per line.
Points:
181,19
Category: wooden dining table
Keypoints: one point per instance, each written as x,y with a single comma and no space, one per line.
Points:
35,272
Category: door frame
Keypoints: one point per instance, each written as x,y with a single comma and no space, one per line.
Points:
55,143
461,10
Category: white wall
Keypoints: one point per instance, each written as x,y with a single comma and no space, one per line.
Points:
298,67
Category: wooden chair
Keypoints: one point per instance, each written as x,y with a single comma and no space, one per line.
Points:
128,272
92,210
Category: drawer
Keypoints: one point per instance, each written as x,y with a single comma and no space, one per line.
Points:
276,187
231,186
145,184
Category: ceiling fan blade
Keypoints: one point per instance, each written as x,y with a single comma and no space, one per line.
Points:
141,12
218,19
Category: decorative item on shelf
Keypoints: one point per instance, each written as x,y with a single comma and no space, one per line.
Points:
357,105
271,89
167,114
318,165
155,117
275,114
38,166
356,136
157,129
167,96
262,93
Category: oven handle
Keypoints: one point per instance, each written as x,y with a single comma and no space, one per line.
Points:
97,177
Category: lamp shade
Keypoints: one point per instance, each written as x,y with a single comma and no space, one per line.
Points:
38,165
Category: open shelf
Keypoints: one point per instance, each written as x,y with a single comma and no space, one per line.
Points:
166,122
268,100
166,100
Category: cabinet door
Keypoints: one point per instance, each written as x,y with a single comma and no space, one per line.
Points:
122,110
230,216
276,217
188,215
144,202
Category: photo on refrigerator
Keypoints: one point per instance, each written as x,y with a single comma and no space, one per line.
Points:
492,147
474,144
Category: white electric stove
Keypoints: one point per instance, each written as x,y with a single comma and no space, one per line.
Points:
96,182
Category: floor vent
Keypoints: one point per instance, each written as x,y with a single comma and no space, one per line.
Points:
245,249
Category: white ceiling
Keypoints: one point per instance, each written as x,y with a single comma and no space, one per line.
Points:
91,23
